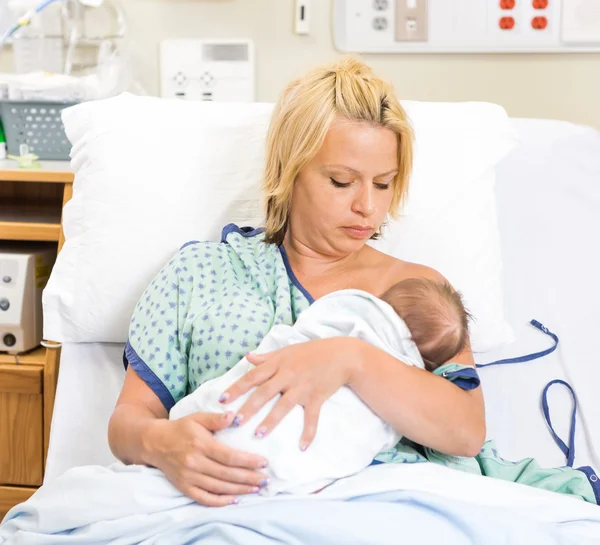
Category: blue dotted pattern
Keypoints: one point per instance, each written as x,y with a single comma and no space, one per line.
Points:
208,306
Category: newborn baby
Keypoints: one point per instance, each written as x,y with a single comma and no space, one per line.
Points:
435,316
418,321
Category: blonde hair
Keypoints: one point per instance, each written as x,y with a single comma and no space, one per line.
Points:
302,116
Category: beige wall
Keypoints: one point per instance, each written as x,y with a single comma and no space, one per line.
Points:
551,86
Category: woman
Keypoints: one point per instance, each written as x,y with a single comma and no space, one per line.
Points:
339,155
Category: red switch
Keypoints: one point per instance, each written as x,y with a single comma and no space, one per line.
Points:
507,23
539,4
539,23
507,4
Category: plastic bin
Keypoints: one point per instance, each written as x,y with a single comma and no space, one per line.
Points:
37,124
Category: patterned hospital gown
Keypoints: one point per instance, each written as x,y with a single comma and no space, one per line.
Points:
214,302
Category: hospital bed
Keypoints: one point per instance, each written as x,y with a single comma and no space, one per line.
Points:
548,194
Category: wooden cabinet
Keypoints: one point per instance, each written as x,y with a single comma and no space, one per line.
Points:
22,431
31,203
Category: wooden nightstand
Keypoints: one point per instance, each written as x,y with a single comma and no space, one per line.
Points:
31,202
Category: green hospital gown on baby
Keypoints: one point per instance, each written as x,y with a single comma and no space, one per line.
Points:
214,302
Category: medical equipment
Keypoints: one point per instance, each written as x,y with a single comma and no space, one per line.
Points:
24,272
35,35
65,36
26,19
65,52
210,70
466,26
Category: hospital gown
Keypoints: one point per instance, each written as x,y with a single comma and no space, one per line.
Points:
214,302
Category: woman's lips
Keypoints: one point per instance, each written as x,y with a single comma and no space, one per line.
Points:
358,231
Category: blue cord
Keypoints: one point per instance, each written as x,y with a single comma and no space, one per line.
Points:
528,357
568,451
40,7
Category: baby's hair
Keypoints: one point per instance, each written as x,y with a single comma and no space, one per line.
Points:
435,315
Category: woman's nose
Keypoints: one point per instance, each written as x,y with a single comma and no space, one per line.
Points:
363,203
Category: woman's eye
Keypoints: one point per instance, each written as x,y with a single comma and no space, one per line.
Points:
339,184
382,186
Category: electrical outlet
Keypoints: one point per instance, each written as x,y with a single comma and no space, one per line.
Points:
411,20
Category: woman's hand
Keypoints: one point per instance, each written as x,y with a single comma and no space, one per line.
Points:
306,374
199,465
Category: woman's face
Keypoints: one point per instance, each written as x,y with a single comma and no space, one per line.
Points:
343,194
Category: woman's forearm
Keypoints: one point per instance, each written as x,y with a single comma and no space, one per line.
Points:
425,408
128,433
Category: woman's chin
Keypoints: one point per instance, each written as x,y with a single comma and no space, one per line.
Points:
348,245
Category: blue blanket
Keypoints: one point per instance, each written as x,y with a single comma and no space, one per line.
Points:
381,505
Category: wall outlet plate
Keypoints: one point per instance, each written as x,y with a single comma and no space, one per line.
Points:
466,26
411,20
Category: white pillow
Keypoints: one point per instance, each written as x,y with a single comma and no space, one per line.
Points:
450,221
461,240
152,174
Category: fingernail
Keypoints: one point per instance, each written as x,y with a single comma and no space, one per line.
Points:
256,490
303,446
224,397
238,420
235,501
264,465
260,432
264,483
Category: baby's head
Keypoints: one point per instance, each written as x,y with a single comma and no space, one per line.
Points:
435,316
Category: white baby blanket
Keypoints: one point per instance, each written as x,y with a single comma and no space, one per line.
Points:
349,433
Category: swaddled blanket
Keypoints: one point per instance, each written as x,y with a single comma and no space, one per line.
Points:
349,434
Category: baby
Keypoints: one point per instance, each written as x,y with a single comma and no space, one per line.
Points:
419,321
435,315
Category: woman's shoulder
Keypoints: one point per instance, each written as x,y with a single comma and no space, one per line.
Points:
239,249
195,249
245,232
199,247
418,270
398,269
